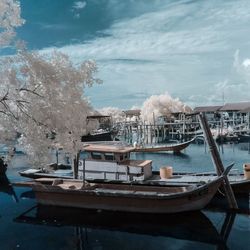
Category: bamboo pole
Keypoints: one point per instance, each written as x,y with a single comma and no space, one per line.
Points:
217,161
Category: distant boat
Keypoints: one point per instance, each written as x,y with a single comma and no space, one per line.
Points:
100,135
244,137
176,148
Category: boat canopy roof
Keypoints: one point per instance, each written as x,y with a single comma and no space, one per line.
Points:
104,148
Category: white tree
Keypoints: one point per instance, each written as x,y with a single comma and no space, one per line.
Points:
10,19
162,105
44,95
116,114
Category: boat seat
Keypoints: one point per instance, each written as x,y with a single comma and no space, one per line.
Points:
57,182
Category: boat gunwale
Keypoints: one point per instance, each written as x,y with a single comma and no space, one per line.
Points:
38,187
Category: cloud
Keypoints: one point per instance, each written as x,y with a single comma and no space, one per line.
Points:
79,5
184,48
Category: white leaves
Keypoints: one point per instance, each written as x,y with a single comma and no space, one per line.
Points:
10,19
161,105
47,95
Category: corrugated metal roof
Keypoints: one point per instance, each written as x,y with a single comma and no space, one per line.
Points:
97,116
237,106
207,109
132,112
247,110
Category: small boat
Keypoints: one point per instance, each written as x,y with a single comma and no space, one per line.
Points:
244,137
100,135
110,162
176,148
124,198
238,182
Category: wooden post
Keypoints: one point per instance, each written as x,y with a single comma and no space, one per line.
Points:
83,172
217,161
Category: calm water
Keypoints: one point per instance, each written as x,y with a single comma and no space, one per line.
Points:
24,225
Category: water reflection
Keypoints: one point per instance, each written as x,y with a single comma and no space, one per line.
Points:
194,226
220,203
6,187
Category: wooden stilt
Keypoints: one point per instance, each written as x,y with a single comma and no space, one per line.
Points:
217,161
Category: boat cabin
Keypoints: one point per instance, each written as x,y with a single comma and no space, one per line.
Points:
112,162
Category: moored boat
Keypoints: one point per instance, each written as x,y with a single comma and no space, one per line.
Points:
176,148
112,163
126,198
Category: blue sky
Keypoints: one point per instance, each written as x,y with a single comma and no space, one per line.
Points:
146,47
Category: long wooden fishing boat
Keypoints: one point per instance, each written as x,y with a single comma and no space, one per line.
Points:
112,163
126,198
176,148
239,183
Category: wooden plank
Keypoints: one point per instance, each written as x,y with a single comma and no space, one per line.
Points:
217,161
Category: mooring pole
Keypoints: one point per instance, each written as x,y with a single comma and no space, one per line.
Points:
217,161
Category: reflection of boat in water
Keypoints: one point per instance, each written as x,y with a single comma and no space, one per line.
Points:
192,226
219,204
6,187
176,148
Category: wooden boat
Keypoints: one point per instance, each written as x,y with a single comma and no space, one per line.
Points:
176,148
244,137
126,198
98,136
111,163
238,182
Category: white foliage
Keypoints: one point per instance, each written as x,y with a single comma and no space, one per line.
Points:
7,131
161,105
45,95
116,114
10,19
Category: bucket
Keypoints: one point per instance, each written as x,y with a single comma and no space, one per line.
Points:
246,168
166,172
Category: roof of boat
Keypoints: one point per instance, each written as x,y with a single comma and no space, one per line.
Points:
108,148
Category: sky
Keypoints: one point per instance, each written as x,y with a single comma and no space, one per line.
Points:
195,50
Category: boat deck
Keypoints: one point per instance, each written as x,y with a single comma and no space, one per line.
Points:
192,179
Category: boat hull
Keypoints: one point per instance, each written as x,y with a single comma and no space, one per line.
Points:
132,201
176,148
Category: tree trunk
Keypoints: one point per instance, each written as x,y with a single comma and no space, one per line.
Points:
76,165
